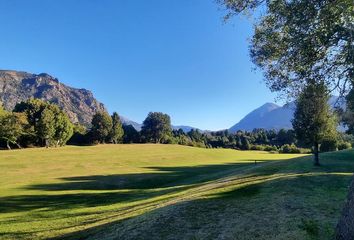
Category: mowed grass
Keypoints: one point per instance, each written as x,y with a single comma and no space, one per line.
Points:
169,192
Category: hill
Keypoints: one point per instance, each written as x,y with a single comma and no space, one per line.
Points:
79,104
272,116
170,192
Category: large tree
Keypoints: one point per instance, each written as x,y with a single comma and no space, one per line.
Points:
156,127
12,127
101,127
313,119
116,133
50,125
297,41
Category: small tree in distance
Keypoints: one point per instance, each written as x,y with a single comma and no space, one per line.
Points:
313,120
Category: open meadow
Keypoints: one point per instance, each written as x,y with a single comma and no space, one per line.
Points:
169,192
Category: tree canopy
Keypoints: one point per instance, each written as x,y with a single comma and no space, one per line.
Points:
156,127
49,125
313,120
300,41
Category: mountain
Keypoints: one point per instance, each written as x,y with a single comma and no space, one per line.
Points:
127,121
272,116
79,104
268,116
186,128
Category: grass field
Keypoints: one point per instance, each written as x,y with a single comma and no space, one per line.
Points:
169,192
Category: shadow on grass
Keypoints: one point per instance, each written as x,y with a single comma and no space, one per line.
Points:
314,198
160,178
137,187
220,211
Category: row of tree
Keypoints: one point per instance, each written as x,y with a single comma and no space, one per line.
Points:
38,123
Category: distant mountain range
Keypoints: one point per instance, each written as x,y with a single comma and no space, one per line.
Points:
80,104
272,116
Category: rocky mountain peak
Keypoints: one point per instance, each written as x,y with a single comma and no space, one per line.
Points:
79,104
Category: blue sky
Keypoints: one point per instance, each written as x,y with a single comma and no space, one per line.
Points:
173,56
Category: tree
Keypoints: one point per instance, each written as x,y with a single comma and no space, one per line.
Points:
300,41
12,127
64,129
49,124
101,127
131,135
46,126
313,120
116,133
156,127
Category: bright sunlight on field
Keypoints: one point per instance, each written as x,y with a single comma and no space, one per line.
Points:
169,192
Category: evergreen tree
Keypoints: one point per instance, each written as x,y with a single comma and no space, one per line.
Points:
156,127
117,132
101,127
313,120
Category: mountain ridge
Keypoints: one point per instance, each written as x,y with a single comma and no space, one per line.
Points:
17,86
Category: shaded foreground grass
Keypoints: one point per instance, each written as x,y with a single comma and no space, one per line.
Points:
169,192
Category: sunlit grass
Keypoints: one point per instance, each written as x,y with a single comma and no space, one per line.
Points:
125,191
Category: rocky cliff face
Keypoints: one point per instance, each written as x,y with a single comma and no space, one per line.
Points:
79,104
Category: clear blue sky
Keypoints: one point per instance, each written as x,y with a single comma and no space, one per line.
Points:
173,56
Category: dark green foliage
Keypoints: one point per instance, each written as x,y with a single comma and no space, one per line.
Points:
289,149
329,145
79,135
131,135
313,120
101,127
116,133
245,143
348,115
344,145
156,128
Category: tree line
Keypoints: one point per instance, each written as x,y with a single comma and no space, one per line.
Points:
39,123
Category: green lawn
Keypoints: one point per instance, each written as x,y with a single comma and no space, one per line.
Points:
169,192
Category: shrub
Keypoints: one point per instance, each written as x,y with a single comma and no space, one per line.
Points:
289,149
328,145
257,147
344,145
269,148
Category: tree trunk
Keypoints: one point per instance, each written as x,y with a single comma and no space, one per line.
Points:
316,155
8,145
18,145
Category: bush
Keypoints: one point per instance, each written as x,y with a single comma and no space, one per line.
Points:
328,145
289,149
257,147
344,145
269,148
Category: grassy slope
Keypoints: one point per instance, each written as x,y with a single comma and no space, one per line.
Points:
169,192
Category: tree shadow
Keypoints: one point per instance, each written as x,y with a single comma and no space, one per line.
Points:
209,215
136,187
161,177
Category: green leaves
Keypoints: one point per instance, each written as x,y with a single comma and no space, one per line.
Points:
156,127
